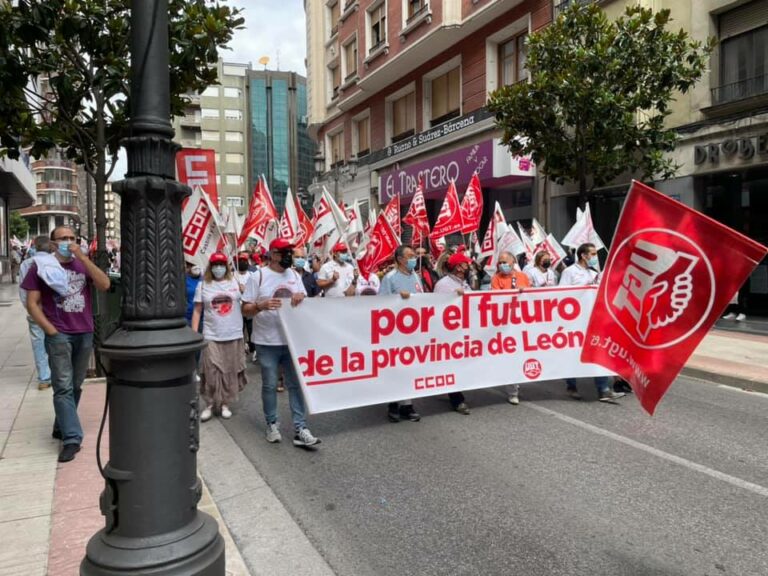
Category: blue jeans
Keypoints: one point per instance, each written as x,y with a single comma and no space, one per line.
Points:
68,355
602,383
37,336
271,358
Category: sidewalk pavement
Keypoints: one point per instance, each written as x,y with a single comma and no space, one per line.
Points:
48,511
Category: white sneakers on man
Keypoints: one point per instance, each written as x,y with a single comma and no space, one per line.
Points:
206,415
273,433
226,413
304,438
741,317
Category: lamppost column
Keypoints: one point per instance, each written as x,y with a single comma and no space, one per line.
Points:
152,525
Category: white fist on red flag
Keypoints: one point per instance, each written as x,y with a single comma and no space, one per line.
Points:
671,272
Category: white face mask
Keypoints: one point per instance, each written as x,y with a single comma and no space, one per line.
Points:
219,272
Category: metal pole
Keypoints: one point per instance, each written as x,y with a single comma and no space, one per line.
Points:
152,489
89,206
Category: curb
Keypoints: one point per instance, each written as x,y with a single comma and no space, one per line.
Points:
726,379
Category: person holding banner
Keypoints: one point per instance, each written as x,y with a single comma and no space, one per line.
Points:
584,273
507,277
456,282
337,276
264,295
368,286
541,274
404,281
223,363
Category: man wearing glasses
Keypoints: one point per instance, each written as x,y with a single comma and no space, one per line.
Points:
68,325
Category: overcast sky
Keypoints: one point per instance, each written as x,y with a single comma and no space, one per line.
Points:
273,28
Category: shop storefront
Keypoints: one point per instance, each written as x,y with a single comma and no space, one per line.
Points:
455,152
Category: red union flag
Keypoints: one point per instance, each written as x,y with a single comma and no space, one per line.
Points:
449,219
670,274
392,214
417,216
380,247
197,167
261,213
200,233
472,206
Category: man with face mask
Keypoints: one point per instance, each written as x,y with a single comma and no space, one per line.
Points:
242,275
268,289
307,277
337,276
67,321
507,277
584,273
455,281
402,280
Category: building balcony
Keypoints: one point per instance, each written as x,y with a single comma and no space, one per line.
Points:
16,183
40,209
740,90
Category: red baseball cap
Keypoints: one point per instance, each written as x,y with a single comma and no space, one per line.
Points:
218,258
458,258
243,256
281,244
340,247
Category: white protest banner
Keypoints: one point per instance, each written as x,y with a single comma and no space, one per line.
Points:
363,351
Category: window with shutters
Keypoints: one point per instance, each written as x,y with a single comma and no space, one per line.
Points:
446,96
336,147
362,136
335,78
350,60
415,7
403,116
334,14
743,35
377,28
512,57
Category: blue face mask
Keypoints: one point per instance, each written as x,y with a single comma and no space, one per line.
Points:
31,252
411,263
64,250
505,268
593,262
300,263
346,257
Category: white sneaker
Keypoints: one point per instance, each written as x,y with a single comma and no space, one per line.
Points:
741,317
226,413
304,438
196,377
730,316
273,433
254,357
514,400
206,415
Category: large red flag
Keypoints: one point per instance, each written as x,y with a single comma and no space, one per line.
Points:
472,206
261,212
417,216
670,274
380,247
392,214
449,219
197,167
307,228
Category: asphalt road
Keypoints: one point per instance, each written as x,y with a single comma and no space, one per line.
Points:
550,487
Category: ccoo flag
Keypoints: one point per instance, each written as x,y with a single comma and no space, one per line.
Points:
670,274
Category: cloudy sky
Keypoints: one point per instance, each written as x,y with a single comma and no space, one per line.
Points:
273,28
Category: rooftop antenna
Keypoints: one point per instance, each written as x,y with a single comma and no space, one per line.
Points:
264,60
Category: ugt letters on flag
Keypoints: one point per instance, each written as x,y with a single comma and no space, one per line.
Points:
670,274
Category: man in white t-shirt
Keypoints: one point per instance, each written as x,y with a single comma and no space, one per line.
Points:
337,276
584,273
367,286
242,274
267,290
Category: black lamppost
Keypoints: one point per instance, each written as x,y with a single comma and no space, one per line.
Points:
337,171
152,489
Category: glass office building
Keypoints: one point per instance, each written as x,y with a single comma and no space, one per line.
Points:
280,146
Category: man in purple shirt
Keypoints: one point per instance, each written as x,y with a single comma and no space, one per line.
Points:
68,325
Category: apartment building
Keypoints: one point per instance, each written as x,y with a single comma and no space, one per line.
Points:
57,195
217,119
401,86
723,127
279,145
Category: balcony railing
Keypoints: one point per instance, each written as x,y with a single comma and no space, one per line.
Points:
418,12
740,90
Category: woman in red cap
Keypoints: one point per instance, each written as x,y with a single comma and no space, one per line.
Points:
223,362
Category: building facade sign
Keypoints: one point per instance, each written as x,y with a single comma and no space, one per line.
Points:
746,148
436,173
436,133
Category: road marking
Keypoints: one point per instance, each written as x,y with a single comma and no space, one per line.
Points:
733,480
736,389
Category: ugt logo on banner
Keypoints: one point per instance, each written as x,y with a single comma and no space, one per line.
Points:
670,274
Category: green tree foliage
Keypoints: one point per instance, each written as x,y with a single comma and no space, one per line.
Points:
598,95
18,226
65,69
